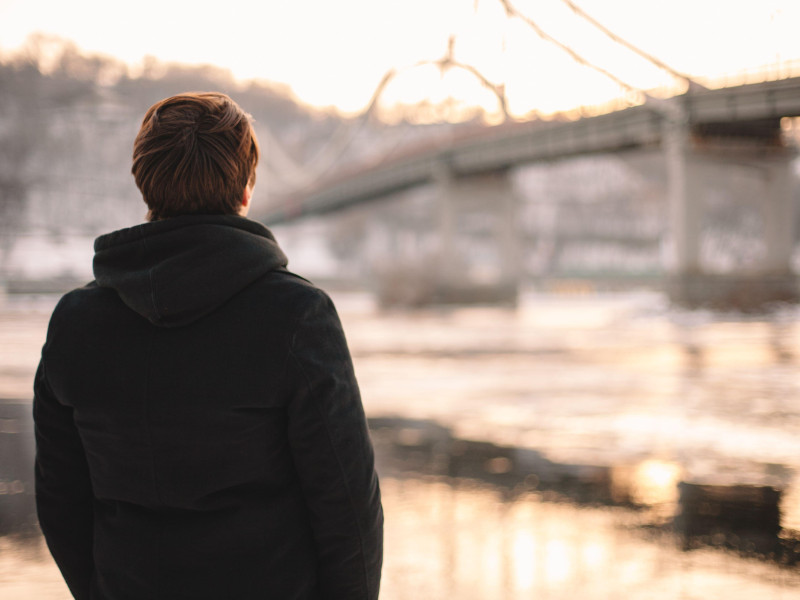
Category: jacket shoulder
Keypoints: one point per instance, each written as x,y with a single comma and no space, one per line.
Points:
75,298
84,299
294,290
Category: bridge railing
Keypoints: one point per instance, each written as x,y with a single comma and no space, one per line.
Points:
768,72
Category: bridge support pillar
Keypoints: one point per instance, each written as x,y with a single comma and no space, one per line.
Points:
684,199
478,242
692,169
778,212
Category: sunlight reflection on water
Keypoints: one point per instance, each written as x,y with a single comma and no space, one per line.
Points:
469,542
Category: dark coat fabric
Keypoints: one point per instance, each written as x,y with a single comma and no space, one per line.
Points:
199,428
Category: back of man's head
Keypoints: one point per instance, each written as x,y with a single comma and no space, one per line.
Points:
195,154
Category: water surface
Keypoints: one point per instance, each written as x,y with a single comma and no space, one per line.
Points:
528,453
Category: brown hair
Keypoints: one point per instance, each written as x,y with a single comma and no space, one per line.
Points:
194,154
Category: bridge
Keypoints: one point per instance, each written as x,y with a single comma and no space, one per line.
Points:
697,133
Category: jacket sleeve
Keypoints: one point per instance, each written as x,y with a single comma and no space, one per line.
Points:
334,456
63,488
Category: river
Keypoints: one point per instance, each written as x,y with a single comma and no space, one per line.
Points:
547,451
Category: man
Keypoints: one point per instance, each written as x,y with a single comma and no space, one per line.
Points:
199,428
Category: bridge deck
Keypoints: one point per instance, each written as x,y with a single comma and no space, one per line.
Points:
503,147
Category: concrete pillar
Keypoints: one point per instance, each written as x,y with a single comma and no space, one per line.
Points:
778,211
447,260
490,198
689,173
507,232
684,197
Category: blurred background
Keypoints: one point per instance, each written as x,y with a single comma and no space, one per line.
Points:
562,236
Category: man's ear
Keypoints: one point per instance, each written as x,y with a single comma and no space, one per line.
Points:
244,207
248,193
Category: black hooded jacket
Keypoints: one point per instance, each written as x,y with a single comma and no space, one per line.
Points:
199,428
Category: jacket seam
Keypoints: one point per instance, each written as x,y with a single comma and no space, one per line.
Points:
289,353
152,285
146,405
46,379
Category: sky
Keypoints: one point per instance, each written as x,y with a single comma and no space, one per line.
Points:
334,53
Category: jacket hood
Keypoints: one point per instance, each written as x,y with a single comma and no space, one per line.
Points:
175,271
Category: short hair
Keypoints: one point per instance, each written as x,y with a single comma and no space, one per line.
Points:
195,153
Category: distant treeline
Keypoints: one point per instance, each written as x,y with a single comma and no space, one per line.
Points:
68,119
54,73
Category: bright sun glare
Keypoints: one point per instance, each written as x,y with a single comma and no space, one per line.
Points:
335,53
